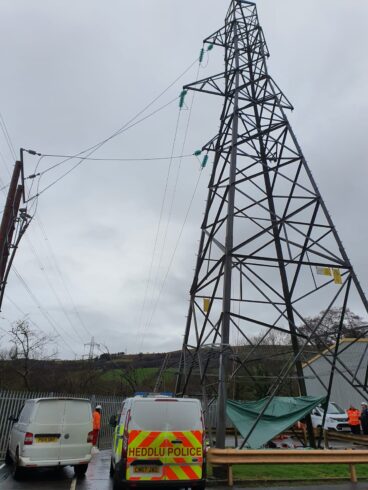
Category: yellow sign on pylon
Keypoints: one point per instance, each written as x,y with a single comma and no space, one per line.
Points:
337,276
206,304
324,271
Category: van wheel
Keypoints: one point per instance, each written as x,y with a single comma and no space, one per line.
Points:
80,470
16,470
8,458
112,471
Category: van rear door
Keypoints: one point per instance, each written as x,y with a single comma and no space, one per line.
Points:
46,426
77,423
165,440
184,459
145,438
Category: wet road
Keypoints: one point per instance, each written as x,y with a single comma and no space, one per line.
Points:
97,478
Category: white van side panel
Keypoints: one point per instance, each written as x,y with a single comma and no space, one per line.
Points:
20,428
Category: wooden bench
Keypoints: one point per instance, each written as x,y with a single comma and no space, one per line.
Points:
231,457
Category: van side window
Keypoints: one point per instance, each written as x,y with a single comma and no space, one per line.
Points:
25,414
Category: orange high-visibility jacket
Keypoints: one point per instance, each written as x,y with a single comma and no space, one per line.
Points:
354,417
96,420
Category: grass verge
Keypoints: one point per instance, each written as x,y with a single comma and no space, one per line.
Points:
296,472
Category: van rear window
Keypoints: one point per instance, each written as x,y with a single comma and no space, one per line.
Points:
49,412
165,416
77,412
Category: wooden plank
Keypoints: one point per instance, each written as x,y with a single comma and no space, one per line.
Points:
230,456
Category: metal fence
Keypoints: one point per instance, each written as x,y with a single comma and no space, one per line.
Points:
11,403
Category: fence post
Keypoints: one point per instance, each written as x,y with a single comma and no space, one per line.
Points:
230,477
353,473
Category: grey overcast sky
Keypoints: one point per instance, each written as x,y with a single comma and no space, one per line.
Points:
72,72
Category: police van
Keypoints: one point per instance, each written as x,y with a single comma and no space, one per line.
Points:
160,441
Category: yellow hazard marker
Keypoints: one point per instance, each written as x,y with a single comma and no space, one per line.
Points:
206,304
323,271
337,276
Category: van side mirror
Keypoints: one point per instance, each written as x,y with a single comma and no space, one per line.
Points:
113,421
13,419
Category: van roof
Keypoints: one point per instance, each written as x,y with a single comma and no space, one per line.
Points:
56,398
164,399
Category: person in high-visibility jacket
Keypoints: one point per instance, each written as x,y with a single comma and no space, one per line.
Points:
354,419
96,424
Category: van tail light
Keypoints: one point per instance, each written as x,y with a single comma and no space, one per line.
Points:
128,418
90,437
28,439
126,436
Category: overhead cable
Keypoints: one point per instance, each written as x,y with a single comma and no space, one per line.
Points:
58,269
82,159
173,255
172,202
101,159
125,127
7,136
159,223
171,206
44,312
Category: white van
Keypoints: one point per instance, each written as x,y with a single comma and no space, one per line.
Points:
51,432
159,441
336,418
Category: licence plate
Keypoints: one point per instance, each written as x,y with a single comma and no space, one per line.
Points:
46,439
146,469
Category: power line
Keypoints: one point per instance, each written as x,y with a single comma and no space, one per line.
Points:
171,206
172,257
102,159
84,158
51,286
52,254
5,165
49,319
44,312
27,316
7,136
158,226
124,128
92,149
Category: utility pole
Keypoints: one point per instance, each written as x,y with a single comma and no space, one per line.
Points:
14,223
268,244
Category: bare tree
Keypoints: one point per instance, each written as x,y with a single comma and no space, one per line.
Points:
352,327
273,337
28,345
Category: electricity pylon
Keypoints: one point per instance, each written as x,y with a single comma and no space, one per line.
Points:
269,253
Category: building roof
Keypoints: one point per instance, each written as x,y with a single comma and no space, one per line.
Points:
332,347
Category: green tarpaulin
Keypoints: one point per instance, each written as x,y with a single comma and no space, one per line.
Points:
282,413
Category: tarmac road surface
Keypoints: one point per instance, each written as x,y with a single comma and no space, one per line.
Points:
97,478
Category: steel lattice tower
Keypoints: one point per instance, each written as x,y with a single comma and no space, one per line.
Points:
265,233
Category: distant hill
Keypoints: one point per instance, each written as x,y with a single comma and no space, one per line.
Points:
123,374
